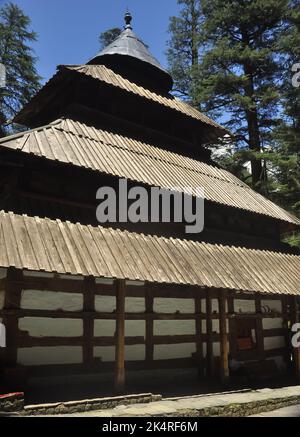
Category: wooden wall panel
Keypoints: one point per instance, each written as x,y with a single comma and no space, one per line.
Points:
12,299
120,337
161,323
88,323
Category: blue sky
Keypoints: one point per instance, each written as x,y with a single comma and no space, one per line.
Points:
68,30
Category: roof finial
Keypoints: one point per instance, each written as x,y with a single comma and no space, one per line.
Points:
128,19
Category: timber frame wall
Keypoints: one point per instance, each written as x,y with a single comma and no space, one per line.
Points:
213,314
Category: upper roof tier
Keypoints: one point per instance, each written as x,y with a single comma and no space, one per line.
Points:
124,83
129,56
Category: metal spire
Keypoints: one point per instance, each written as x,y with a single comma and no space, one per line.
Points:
128,19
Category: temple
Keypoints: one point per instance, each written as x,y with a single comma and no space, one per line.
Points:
82,298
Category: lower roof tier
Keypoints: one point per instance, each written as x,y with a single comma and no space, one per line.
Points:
37,244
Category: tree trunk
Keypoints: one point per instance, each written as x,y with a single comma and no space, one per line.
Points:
194,52
255,146
2,121
252,123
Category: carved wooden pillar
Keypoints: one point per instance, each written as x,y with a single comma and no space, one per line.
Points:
224,368
149,325
199,343
12,301
209,342
88,322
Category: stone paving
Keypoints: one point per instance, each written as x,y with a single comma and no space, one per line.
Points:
292,411
204,405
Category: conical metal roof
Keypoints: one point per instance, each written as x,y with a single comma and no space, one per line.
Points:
128,45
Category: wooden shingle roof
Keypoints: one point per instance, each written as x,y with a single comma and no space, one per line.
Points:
75,143
37,244
104,75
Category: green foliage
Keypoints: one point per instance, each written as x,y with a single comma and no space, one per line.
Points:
183,50
242,76
285,163
108,37
22,80
286,137
241,70
293,240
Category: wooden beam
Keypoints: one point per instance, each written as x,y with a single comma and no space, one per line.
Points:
56,283
199,343
257,316
232,326
12,301
175,339
99,315
120,337
209,342
149,325
24,340
275,332
88,322
259,326
287,331
27,341
224,370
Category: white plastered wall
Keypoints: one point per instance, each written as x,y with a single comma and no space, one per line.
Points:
135,352
135,305
274,342
38,327
271,305
244,306
51,300
105,304
51,327
174,327
36,356
135,328
170,305
104,328
272,322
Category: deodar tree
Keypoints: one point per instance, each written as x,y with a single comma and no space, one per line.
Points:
22,80
242,71
184,50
